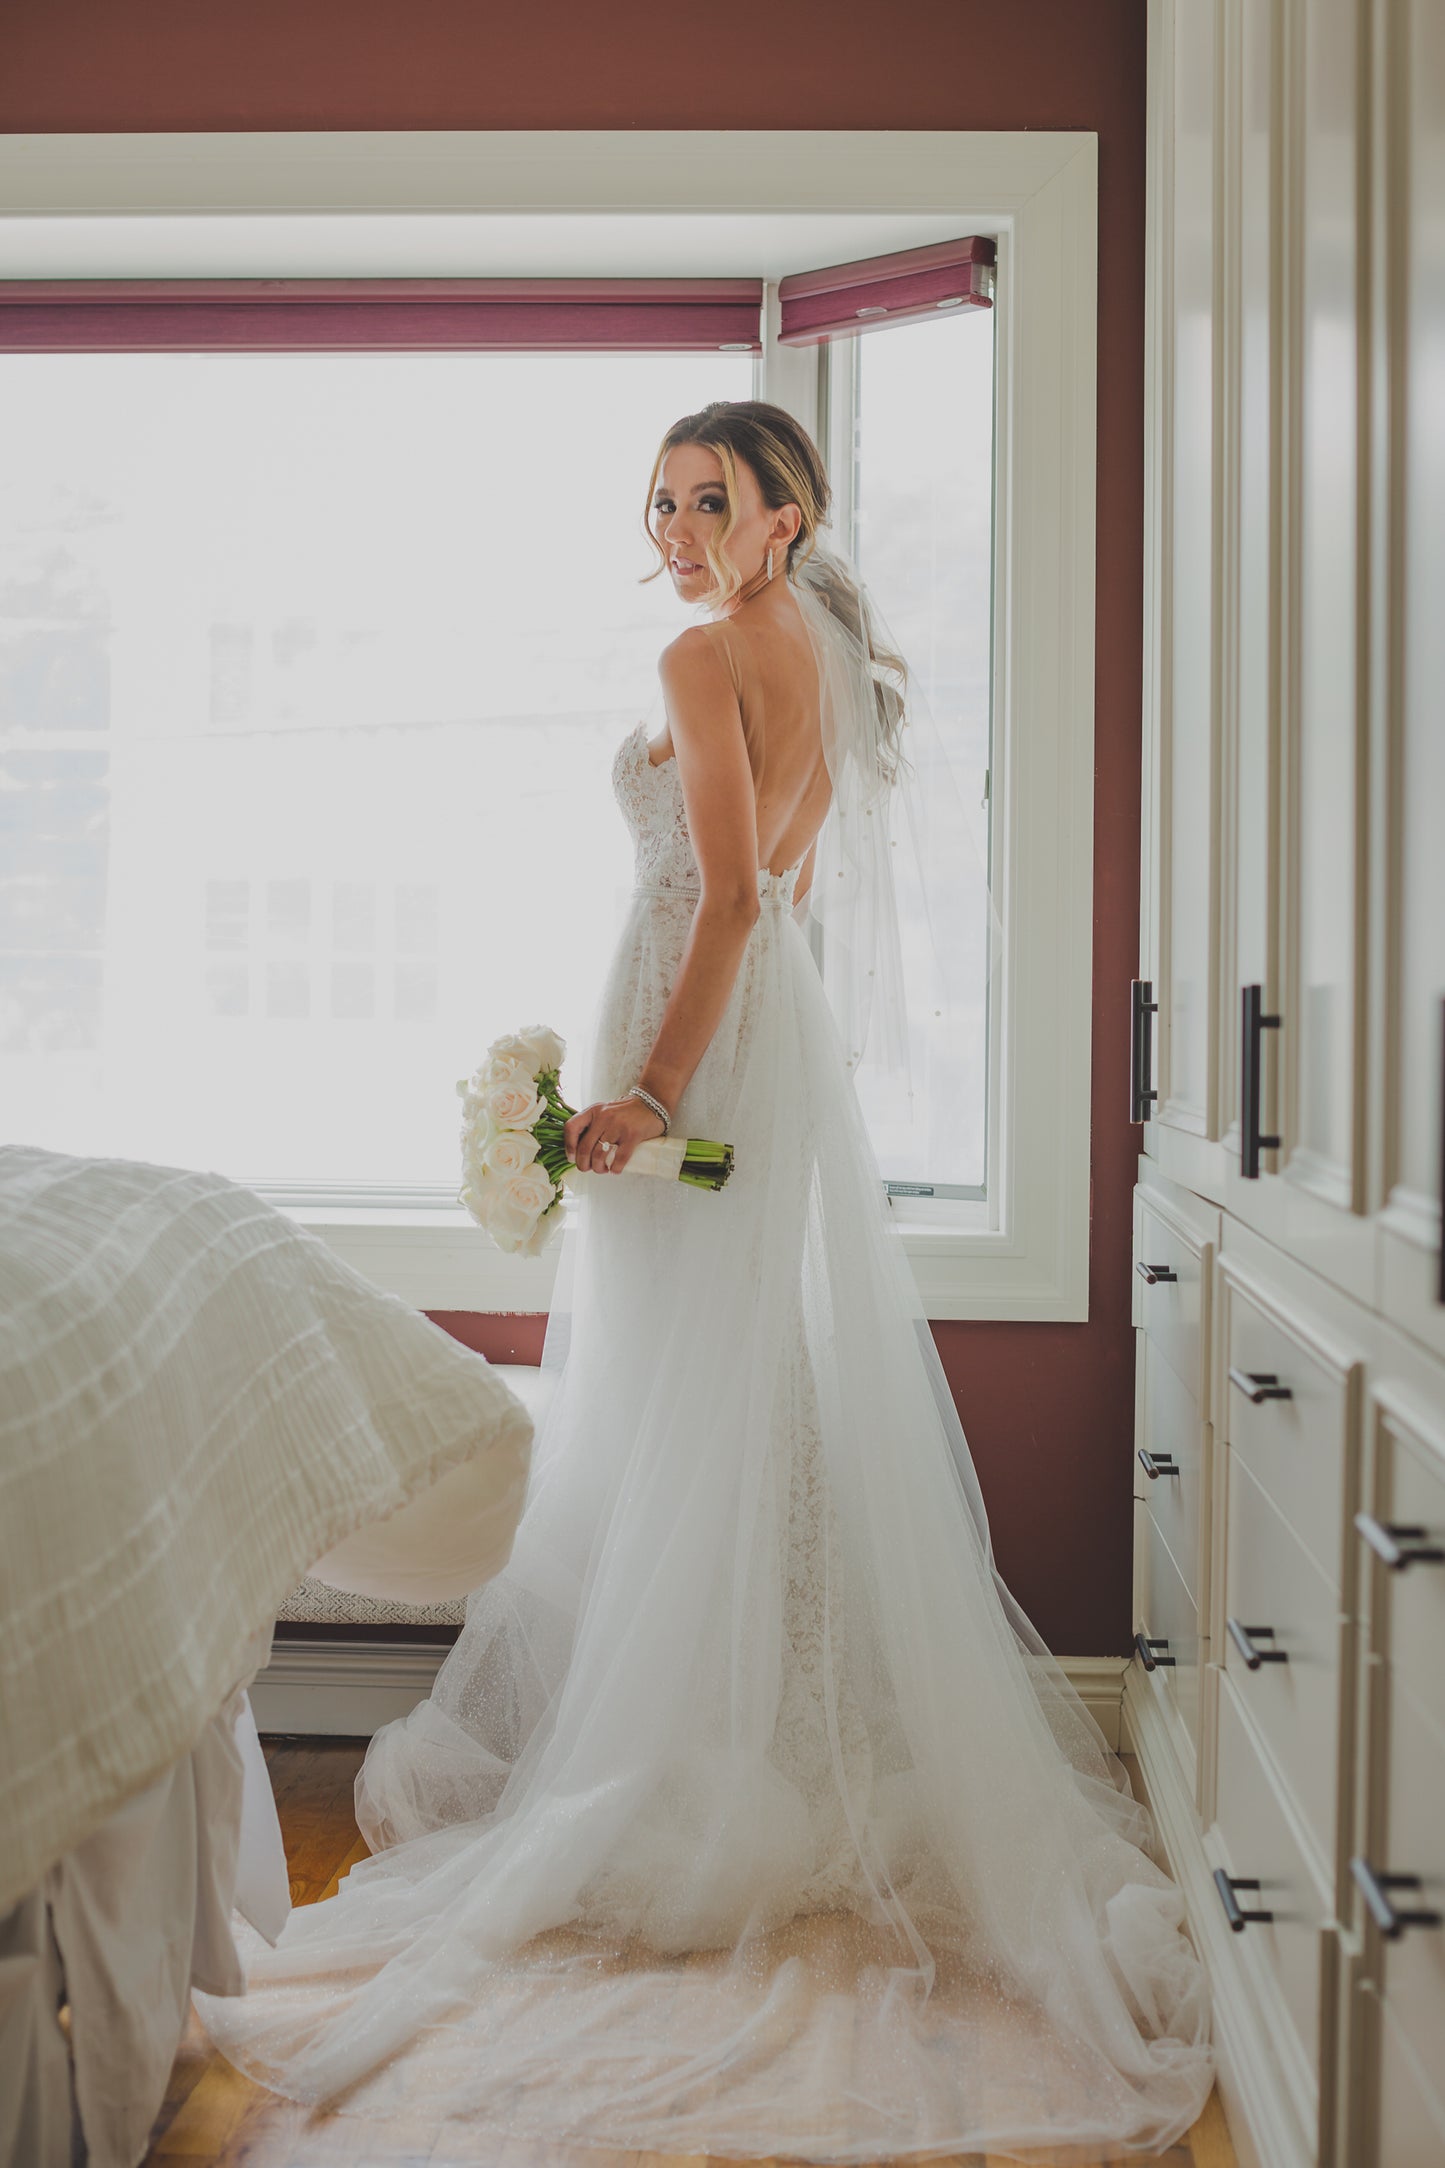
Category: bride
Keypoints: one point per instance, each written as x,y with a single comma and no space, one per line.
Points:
749,1814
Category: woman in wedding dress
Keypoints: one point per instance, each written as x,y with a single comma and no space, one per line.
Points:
749,1814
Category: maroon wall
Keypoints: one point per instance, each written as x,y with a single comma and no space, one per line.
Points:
1048,1408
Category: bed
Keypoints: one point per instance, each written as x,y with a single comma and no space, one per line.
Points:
201,1408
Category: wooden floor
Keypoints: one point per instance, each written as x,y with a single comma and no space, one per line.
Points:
214,2115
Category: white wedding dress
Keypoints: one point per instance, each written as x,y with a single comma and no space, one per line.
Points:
749,1815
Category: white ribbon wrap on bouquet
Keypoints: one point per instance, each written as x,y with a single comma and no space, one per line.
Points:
655,1155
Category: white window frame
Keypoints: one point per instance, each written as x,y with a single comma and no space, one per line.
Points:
351,202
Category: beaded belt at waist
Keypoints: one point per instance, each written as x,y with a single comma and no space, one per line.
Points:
773,892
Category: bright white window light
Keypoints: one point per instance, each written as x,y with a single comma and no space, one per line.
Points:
922,506
312,668
311,672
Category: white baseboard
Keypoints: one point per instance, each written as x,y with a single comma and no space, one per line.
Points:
1099,1683
342,1688
350,1688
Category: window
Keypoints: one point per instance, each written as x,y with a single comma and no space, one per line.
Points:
377,644
911,455
328,932
311,671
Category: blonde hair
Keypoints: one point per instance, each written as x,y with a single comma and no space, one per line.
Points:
785,463
788,469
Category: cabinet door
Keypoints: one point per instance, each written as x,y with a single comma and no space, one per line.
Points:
1189,949
1323,1043
1419,895
1254,135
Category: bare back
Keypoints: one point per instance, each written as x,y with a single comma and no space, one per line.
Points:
770,661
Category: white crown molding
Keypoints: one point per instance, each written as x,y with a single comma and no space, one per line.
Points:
996,172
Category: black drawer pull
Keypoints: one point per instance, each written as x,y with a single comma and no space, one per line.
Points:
1141,1008
1154,1273
1157,1464
1227,1884
1260,1385
1241,1636
1146,1644
1373,1888
1388,1540
1252,1022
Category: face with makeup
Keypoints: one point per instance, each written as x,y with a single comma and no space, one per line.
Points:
690,502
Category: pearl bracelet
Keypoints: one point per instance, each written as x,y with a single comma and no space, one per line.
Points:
656,1105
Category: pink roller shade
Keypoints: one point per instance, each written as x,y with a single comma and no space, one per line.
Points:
380,315
880,290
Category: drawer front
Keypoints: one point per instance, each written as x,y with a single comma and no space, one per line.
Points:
1169,1430
1258,1841
1415,1595
1271,1580
1168,1612
1411,2127
1170,1311
1413,1823
1295,1447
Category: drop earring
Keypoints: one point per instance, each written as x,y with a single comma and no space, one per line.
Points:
770,560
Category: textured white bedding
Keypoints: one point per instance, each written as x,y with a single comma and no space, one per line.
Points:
197,1400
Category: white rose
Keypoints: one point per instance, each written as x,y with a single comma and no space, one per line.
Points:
477,1131
474,1196
513,1105
507,1056
542,1047
541,1234
515,1205
502,1069
473,1169
509,1151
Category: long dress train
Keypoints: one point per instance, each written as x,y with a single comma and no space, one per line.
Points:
749,1815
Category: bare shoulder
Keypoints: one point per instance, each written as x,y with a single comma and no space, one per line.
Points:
698,685
694,656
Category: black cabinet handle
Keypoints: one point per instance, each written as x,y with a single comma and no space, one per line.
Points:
1154,1273
1241,1636
1227,1884
1260,1385
1141,1056
1399,1543
1156,1464
1146,1644
1251,1023
1374,1888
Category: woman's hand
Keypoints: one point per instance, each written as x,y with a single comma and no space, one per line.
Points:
620,1122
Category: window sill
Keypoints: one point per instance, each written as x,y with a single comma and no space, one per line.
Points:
437,1258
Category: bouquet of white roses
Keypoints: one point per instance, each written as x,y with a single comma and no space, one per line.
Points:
514,1155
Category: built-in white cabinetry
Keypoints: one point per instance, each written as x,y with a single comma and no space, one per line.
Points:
1397,1867
1186,1039
1320,1043
1250,515
1408,958
1287,1695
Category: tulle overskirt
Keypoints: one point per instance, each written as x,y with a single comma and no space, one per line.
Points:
749,1814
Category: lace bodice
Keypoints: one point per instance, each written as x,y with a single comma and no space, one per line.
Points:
650,796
